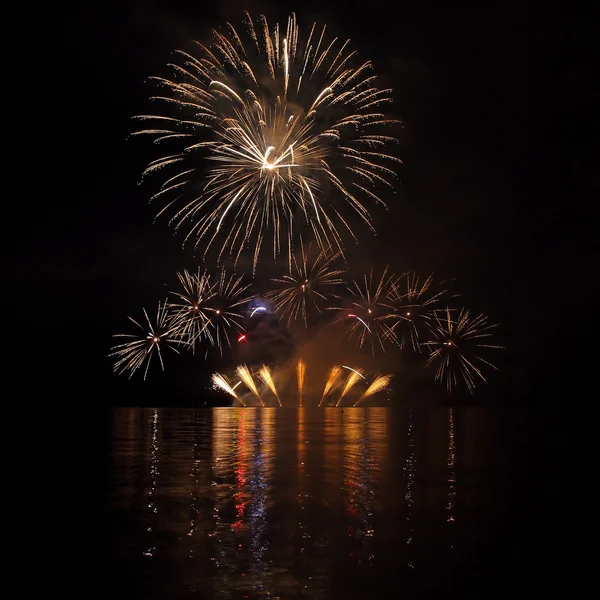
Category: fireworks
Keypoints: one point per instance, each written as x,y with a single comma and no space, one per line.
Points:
413,303
225,307
269,138
286,123
455,346
300,374
369,314
299,389
209,310
244,374
139,350
191,309
220,382
308,287
335,376
265,375
379,383
353,378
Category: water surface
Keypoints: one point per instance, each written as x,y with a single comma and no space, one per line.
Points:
303,503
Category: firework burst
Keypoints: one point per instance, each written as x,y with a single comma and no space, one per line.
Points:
159,333
220,382
309,286
285,122
380,382
225,309
191,310
368,315
455,346
414,302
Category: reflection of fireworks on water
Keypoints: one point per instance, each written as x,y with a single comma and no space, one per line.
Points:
282,120
455,346
131,355
413,302
369,312
191,310
308,286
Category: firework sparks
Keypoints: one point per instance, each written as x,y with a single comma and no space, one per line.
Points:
379,383
191,310
455,347
224,307
220,382
353,378
310,284
369,312
140,348
285,123
244,374
414,303
265,375
300,373
335,376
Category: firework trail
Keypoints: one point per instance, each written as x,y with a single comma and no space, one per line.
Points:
244,374
225,308
353,378
310,284
414,303
219,382
379,383
286,123
300,373
335,376
132,355
191,311
455,346
265,375
369,312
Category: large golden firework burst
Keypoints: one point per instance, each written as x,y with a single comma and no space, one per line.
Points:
295,130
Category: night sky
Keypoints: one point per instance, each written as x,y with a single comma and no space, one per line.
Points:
484,146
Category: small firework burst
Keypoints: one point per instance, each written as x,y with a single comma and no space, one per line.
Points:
310,285
225,309
456,345
191,311
414,303
159,333
368,313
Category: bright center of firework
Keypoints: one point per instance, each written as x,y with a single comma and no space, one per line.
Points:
269,166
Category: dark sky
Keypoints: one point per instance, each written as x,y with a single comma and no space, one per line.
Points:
484,146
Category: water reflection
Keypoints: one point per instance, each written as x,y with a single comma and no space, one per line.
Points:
154,473
268,503
451,468
410,470
364,439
